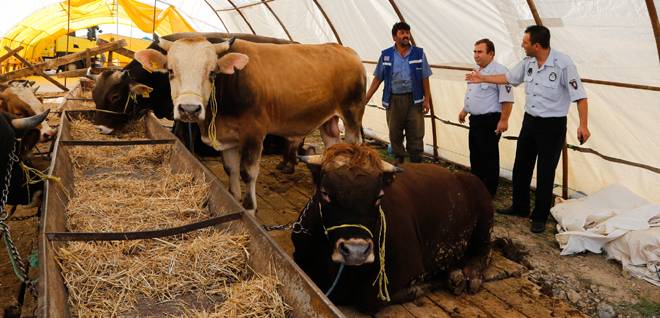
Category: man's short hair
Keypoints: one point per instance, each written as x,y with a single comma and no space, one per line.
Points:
490,46
400,26
539,34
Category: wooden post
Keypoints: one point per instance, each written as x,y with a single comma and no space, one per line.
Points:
10,53
88,59
121,51
54,63
564,171
38,72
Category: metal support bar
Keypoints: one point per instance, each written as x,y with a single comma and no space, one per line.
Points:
327,20
242,16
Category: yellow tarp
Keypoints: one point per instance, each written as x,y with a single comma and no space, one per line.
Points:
50,23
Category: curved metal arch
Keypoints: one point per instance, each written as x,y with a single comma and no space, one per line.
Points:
655,25
327,19
264,2
242,16
402,19
217,15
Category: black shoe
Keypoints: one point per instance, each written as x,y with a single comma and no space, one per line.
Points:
398,160
511,211
416,159
538,227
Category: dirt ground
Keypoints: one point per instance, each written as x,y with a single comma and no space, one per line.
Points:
588,282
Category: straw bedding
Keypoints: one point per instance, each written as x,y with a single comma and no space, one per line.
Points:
83,129
203,273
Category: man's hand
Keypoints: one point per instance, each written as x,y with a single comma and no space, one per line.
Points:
461,116
502,126
474,77
583,134
426,106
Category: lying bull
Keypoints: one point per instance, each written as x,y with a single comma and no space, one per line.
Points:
151,91
394,235
18,136
285,90
20,101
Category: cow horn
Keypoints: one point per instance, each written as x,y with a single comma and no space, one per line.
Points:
312,159
29,122
388,167
164,44
231,41
91,76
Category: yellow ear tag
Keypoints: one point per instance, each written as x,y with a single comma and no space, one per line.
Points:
145,94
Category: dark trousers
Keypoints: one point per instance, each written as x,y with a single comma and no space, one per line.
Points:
541,138
406,119
484,149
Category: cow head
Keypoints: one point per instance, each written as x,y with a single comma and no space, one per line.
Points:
349,181
192,65
20,101
112,96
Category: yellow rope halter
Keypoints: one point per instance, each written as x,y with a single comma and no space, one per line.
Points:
214,112
381,279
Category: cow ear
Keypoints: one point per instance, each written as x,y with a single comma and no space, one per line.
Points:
231,61
152,60
140,89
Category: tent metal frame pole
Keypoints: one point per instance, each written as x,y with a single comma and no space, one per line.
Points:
434,128
653,14
217,15
327,20
153,21
68,29
242,16
245,6
264,2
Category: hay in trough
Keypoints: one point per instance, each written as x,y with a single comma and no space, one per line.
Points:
83,129
120,158
254,298
113,278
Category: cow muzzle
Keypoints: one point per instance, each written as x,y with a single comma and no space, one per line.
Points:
354,251
190,112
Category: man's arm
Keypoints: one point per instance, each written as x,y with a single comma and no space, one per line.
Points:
372,89
476,77
503,124
427,95
583,130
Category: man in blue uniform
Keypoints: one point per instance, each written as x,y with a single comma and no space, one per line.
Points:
551,84
407,93
489,106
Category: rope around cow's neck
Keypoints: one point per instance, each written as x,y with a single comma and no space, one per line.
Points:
381,279
214,112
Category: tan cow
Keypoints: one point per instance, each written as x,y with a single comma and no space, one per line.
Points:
21,101
285,90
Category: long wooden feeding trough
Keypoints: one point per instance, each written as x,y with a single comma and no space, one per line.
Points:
302,297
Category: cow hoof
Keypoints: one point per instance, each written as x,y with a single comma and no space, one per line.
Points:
281,166
457,282
474,285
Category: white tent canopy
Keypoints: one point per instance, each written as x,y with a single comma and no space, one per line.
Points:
609,40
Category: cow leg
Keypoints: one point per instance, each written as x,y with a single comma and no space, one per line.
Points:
352,118
477,256
330,132
289,159
231,162
250,158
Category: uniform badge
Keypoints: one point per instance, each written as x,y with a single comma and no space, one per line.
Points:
529,71
386,58
573,83
552,77
508,88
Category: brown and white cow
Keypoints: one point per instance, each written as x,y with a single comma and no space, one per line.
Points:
434,225
285,90
20,100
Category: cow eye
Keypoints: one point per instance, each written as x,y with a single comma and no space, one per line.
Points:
325,195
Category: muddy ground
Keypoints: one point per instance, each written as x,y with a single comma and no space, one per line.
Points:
589,282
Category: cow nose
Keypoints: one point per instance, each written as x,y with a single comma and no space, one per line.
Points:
190,109
354,249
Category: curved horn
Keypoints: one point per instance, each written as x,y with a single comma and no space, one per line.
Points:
312,159
164,44
231,41
388,167
91,76
29,122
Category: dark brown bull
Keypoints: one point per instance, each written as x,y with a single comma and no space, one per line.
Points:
285,90
437,226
